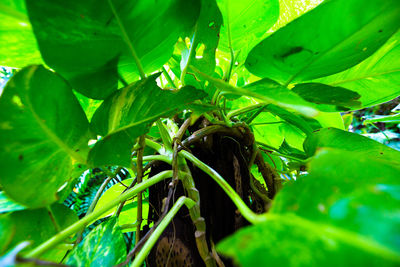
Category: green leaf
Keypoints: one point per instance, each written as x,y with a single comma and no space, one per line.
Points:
18,43
103,246
376,79
335,138
322,94
293,136
129,113
266,129
331,119
83,41
271,91
333,37
290,117
43,134
7,205
35,226
344,213
128,214
245,23
207,34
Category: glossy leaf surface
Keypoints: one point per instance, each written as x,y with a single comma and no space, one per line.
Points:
350,218
18,43
245,23
129,211
377,79
330,38
40,143
103,246
129,113
83,40
322,94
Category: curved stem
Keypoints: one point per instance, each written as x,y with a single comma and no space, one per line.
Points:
247,213
61,236
154,145
168,77
139,177
127,40
141,256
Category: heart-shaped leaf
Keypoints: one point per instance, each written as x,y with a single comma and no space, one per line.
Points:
44,133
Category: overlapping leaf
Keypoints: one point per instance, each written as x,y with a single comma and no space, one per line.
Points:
344,213
129,113
83,40
333,37
44,133
376,79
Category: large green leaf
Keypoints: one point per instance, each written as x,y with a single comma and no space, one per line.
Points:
129,113
44,133
245,23
103,246
17,42
83,40
335,138
344,213
377,79
35,226
334,36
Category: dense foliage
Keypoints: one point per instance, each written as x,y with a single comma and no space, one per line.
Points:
228,118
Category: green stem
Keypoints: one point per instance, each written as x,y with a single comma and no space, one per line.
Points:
141,256
64,234
139,177
154,145
128,41
247,213
156,157
168,77
244,110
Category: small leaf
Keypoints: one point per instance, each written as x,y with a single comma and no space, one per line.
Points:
129,113
128,214
321,94
103,246
333,37
40,142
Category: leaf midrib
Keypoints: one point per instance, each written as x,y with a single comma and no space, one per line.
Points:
45,129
